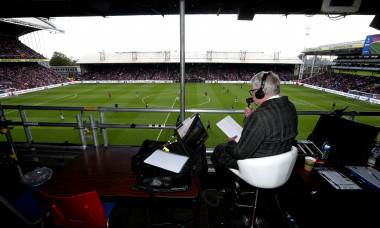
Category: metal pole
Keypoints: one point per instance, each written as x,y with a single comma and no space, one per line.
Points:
312,66
10,142
182,56
103,130
81,131
28,133
26,128
93,130
302,68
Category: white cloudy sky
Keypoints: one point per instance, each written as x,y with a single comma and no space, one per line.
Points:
265,33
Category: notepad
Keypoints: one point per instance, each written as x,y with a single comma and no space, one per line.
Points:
369,175
166,160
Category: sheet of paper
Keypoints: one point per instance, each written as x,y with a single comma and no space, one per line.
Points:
166,160
230,127
338,180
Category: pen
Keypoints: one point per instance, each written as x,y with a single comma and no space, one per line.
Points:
373,175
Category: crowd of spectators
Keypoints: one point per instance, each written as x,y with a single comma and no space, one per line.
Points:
22,76
12,48
17,75
125,72
194,72
345,82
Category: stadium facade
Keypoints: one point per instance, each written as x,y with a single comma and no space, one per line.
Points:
208,56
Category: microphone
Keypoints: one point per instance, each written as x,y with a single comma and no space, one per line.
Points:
249,100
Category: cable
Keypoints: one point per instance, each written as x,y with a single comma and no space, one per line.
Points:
209,203
338,17
282,213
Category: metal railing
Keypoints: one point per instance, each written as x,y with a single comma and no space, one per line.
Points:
102,125
93,125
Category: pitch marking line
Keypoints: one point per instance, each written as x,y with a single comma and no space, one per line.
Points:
167,117
306,102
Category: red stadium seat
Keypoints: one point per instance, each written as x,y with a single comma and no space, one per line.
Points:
84,210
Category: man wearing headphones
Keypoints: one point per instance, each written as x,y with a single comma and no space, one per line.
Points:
268,130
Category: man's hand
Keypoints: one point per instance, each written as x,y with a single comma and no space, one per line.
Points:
232,138
248,111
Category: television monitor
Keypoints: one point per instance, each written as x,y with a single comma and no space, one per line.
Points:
192,134
352,141
371,45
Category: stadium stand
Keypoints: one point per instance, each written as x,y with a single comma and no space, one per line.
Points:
12,48
19,67
345,82
22,76
194,71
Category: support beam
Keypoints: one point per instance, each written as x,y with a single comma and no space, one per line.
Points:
93,130
103,130
182,56
81,131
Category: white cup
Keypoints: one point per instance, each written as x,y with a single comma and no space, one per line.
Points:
309,163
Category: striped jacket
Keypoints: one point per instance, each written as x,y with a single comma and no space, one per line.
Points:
269,130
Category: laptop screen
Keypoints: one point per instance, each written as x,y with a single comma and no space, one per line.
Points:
192,134
184,127
352,140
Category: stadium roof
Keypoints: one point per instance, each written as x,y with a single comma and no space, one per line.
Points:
20,26
339,49
191,57
243,8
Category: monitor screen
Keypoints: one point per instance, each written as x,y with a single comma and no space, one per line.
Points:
371,45
192,133
183,128
352,140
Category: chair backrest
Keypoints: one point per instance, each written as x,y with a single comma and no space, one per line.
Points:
267,172
84,210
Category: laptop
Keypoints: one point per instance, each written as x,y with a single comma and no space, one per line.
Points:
191,134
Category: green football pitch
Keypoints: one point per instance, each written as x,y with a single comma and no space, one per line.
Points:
375,48
161,96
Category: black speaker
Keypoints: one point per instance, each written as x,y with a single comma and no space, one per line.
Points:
375,22
260,94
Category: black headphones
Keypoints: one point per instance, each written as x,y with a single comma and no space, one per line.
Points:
260,94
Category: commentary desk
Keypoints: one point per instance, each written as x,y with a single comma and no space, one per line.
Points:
322,205
107,170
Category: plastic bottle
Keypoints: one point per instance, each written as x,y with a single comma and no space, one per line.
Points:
373,155
326,149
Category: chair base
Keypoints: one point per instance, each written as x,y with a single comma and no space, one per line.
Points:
245,199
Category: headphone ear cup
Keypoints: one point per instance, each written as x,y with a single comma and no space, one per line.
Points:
260,94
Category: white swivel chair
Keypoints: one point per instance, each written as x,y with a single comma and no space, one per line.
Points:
266,172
